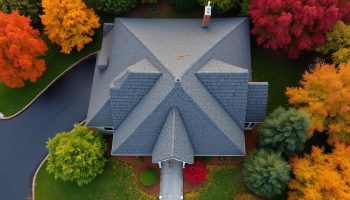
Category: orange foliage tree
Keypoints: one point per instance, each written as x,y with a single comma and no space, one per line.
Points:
325,95
320,175
69,23
20,46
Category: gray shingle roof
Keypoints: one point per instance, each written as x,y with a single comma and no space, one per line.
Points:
178,64
257,101
173,141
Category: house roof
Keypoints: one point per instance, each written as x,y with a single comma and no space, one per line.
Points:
177,52
173,141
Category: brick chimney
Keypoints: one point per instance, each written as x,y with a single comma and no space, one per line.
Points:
206,17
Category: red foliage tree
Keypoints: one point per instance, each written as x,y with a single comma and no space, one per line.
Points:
195,173
20,45
295,25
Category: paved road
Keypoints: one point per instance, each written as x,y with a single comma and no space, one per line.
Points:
22,139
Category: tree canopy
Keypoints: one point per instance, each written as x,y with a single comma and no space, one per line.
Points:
295,25
325,95
69,23
265,173
337,43
320,175
284,131
20,51
77,155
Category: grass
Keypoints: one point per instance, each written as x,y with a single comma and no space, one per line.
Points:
14,99
117,182
281,72
223,183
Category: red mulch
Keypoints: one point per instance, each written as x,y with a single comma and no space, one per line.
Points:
251,141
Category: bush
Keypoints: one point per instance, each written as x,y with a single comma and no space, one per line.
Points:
148,1
148,177
184,4
115,7
285,131
76,155
195,173
221,5
245,196
28,8
265,173
139,160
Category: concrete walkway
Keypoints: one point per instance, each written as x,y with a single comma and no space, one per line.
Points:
171,186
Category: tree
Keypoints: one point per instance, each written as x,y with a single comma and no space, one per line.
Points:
69,23
245,196
77,155
184,4
115,7
265,173
195,173
28,8
20,47
320,175
284,131
325,95
338,43
221,5
295,25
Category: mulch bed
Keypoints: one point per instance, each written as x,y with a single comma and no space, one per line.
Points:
251,140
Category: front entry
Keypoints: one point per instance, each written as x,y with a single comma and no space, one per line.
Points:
171,180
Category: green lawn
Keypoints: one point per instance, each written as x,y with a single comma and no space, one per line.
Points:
275,68
223,183
117,182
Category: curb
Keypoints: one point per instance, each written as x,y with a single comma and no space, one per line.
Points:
41,164
46,87
35,174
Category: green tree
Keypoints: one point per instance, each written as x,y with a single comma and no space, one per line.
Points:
285,131
221,5
337,43
28,8
265,173
115,7
77,155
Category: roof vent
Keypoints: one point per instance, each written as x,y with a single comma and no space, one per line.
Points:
103,65
206,17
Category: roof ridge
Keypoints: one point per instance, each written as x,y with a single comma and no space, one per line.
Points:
143,44
216,44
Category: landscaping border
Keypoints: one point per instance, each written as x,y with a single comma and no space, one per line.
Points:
46,87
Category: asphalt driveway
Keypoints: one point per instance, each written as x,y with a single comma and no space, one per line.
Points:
23,138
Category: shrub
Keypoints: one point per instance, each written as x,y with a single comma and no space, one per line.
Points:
184,4
76,155
28,8
337,43
195,173
139,160
221,5
148,177
115,7
148,1
265,173
245,196
285,131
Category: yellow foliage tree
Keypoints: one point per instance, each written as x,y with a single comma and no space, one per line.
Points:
69,23
321,176
325,95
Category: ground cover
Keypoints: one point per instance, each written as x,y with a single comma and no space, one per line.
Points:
118,181
223,182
